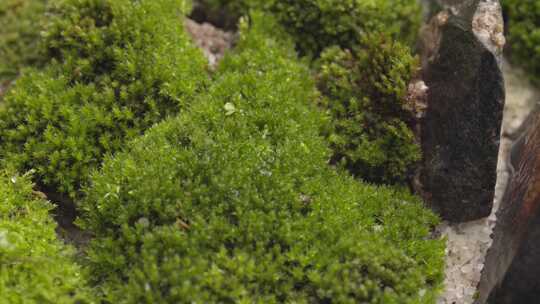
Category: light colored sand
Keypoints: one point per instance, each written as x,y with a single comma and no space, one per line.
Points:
467,243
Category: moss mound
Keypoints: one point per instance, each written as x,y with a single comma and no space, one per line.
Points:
365,93
217,190
117,67
317,24
20,24
233,202
363,65
523,23
35,267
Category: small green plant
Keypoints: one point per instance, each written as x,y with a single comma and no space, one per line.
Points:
117,67
35,267
233,202
364,91
524,34
20,24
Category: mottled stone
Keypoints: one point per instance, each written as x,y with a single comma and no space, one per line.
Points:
214,42
513,262
461,128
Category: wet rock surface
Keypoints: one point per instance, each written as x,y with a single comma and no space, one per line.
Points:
461,129
513,261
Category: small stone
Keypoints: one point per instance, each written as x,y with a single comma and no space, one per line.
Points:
214,42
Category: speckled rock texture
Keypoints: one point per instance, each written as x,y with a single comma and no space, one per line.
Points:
513,261
214,42
461,129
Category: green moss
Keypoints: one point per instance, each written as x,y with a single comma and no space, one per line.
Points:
362,71
20,24
364,92
317,24
233,202
523,23
117,67
35,267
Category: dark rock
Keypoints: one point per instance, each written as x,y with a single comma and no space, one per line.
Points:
461,128
513,261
